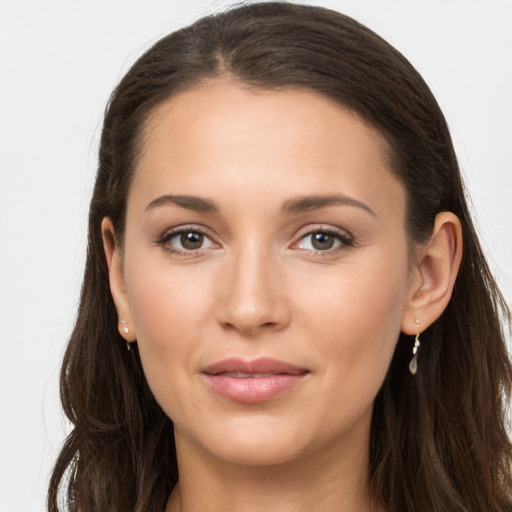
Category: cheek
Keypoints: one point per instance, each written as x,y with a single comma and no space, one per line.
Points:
170,310
166,304
355,317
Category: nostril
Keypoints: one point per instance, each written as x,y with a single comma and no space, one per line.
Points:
251,300
248,324
248,327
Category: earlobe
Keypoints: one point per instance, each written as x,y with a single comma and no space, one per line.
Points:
436,268
116,280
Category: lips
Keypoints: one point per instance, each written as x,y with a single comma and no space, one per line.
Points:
253,381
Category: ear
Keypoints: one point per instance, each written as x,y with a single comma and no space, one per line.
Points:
434,273
116,279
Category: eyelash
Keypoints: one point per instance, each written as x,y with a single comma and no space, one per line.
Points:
345,241
164,240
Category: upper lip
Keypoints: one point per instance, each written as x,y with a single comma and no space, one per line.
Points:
260,365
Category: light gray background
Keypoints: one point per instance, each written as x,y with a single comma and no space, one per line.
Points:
59,60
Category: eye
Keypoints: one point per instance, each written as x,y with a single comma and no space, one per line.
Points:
324,241
185,240
189,240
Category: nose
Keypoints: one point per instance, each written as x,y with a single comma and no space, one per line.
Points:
253,294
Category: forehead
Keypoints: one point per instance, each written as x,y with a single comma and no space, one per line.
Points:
225,133
214,105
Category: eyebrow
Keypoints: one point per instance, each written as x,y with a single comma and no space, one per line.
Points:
290,207
308,203
194,203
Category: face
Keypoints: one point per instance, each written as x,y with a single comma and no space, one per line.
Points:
265,271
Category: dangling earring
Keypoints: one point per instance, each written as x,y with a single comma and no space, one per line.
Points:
413,365
126,331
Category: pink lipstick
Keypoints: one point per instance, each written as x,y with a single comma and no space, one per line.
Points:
254,381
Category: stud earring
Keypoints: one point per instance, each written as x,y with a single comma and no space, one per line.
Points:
413,365
126,331
125,328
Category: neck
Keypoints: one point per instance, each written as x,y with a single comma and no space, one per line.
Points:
328,482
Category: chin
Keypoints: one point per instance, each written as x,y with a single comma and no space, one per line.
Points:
253,442
257,452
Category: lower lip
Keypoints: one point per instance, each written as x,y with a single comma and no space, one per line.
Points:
253,390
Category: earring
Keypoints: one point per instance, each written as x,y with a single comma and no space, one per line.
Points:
126,331
413,365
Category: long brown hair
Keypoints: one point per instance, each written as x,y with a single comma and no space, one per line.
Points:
439,439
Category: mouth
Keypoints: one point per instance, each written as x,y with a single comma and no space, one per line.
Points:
254,381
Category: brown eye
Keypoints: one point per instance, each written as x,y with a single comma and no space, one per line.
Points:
186,241
322,241
191,240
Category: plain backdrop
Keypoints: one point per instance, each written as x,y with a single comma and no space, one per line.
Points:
59,61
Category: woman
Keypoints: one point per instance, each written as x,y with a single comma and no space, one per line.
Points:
279,237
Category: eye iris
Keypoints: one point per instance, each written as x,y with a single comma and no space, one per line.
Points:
322,241
191,240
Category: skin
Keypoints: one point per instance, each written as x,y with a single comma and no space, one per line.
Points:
257,286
